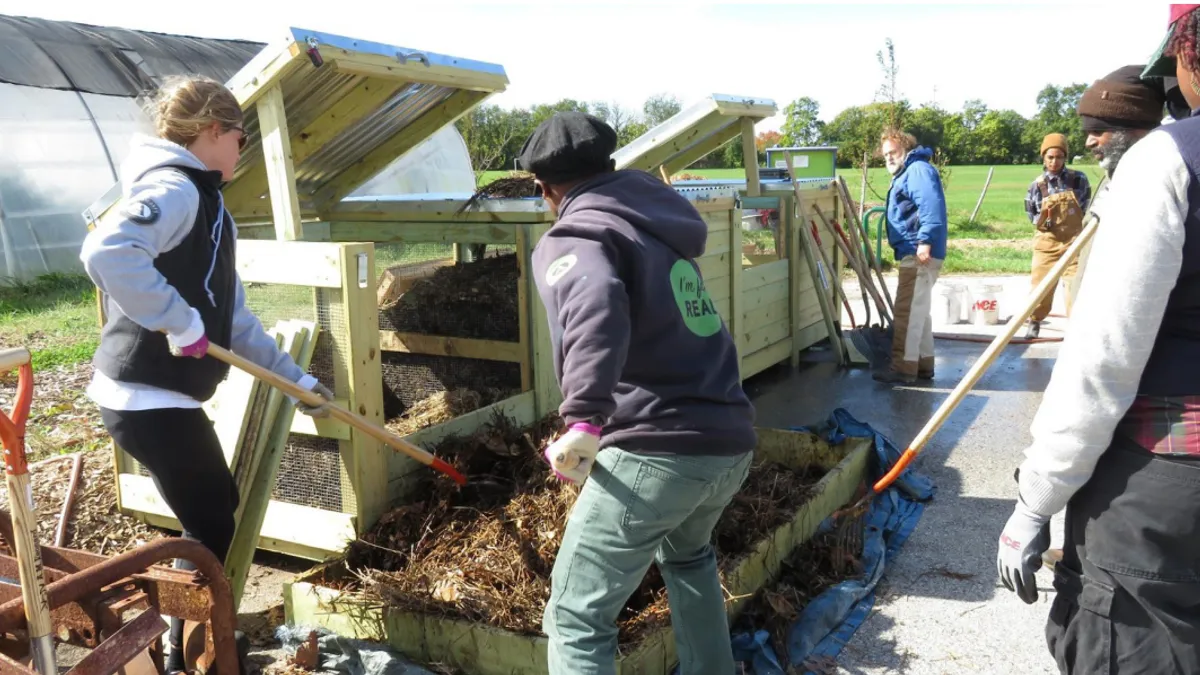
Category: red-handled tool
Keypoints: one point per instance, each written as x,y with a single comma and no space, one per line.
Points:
314,399
20,499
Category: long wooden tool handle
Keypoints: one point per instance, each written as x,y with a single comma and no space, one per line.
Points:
31,571
863,279
312,398
809,245
24,520
989,356
11,359
872,261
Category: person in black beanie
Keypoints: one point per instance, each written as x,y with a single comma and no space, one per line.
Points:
660,432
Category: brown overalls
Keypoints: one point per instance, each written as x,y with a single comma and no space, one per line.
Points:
1060,221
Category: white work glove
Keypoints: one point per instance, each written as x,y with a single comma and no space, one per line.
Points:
1025,538
573,455
319,411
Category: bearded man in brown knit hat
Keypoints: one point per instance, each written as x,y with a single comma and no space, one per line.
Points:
1055,204
1117,111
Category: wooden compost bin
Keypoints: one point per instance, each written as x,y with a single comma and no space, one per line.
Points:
484,650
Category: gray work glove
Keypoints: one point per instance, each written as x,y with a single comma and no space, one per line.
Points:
1025,538
320,411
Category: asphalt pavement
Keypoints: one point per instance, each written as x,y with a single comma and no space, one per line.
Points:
941,608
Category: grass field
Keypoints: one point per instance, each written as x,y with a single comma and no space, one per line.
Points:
1000,239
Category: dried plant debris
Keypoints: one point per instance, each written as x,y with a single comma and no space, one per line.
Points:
95,524
470,300
515,185
437,409
443,407
62,417
820,563
484,553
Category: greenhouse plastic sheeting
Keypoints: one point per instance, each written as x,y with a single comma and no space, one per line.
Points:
53,163
61,150
441,163
106,60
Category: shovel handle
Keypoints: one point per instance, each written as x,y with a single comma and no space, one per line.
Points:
20,498
989,356
311,398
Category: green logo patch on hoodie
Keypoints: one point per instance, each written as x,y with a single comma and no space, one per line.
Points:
699,312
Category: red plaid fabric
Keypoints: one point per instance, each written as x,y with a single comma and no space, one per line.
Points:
1164,425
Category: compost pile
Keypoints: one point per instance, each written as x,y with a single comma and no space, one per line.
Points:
469,300
484,553
442,407
515,185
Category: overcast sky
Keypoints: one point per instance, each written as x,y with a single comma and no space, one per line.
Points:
624,52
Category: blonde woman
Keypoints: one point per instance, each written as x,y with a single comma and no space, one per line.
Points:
165,262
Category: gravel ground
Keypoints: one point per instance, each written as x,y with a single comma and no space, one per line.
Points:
941,608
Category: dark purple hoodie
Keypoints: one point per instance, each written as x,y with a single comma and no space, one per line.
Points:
639,348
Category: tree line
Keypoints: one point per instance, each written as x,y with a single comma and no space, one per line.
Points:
972,135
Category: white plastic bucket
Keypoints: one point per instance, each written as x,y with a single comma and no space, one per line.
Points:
949,305
985,304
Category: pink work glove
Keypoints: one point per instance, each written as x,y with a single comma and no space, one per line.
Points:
196,350
573,455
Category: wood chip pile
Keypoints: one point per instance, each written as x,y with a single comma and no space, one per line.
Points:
484,553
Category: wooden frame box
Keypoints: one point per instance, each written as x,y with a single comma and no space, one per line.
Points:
483,650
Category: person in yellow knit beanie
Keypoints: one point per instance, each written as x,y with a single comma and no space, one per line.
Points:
1055,205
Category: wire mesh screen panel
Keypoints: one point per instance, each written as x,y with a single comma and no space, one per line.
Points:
311,473
311,470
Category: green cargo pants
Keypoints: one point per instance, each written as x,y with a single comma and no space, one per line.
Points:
634,510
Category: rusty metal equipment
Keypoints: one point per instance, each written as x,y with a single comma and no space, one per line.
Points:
114,606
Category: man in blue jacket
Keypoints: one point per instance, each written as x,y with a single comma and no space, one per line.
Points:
916,222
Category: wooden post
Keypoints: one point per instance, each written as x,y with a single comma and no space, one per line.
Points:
750,156
862,198
367,463
547,395
281,174
736,301
791,241
983,194
523,253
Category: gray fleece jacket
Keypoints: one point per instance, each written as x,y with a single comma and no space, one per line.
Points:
124,257
639,348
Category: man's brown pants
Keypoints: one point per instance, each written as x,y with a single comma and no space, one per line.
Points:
912,341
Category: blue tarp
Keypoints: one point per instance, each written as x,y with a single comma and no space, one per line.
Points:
829,621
